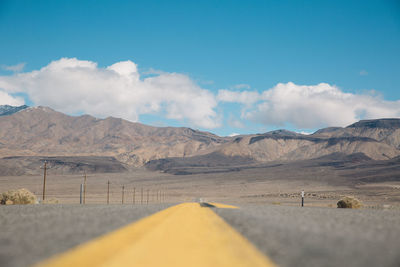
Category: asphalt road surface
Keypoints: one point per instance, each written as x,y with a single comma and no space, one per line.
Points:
290,236
32,233
310,236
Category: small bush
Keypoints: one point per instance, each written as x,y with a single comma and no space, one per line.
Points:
17,197
349,203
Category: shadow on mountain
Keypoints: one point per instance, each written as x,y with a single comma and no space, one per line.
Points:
60,165
209,163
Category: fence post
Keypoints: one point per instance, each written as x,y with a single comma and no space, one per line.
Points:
108,192
84,189
123,189
81,195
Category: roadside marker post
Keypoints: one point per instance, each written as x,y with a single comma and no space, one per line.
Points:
302,198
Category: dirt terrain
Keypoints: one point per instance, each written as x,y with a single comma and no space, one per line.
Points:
325,181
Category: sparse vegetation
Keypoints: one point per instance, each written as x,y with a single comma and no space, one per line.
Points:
349,203
18,197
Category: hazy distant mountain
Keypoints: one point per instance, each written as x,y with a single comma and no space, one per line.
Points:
8,110
41,131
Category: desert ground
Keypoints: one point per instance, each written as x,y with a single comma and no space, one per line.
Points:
274,183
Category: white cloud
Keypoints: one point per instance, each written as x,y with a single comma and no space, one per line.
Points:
233,134
235,123
363,73
72,86
305,133
7,99
309,107
14,68
244,97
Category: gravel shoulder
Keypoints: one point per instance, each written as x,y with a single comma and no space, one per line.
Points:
310,236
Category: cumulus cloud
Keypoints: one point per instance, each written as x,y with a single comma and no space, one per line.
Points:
73,86
243,97
7,99
14,68
235,123
309,107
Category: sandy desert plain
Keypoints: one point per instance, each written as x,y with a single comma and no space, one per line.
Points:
277,183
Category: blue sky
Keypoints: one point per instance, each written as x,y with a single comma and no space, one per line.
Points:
280,52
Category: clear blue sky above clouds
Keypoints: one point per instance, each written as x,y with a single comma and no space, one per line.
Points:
234,66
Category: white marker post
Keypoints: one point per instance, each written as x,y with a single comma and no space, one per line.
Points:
302,198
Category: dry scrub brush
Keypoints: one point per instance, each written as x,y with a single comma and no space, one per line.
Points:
20,196
349,203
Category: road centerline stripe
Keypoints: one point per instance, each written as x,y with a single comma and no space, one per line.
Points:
183,235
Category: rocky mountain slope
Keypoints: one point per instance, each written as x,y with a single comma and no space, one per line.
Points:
44,132
284,145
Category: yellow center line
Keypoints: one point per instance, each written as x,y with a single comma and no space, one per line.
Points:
223,206
182,235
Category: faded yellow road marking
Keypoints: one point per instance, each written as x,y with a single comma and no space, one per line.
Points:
183,235
223,206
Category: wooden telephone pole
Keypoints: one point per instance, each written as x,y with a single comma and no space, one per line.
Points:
44,180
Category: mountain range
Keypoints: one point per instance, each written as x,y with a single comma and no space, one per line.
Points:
44,132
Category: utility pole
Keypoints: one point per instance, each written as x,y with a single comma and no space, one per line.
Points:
108,192
123,189
84,190
44,179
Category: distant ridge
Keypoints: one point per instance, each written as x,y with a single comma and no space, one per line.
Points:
9,110
380,123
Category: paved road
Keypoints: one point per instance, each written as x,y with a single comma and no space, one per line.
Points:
295,236
290,236
31,233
